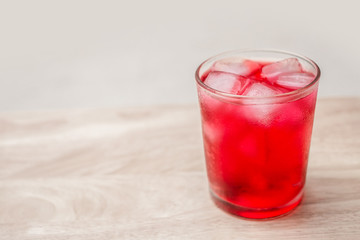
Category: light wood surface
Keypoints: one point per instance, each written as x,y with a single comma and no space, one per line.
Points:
139,174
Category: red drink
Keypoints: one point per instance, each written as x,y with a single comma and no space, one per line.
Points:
257,118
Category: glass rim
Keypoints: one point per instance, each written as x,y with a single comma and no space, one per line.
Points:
294,93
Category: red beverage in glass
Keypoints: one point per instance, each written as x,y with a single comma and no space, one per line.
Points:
257,111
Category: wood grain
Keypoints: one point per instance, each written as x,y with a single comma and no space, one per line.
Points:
139,174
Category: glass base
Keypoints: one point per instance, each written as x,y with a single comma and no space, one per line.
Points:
257,214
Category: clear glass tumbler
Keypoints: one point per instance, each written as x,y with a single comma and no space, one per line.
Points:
257,148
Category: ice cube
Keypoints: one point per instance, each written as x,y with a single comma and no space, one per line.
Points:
261,113
295,80
225,82
212,132
236,66
260,90
273,70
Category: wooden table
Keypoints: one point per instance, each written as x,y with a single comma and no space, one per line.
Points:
139,174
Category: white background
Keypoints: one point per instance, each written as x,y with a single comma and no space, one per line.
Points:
85,54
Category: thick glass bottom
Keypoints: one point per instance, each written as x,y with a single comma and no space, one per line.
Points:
257,213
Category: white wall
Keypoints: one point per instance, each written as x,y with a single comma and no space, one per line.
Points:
82,53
